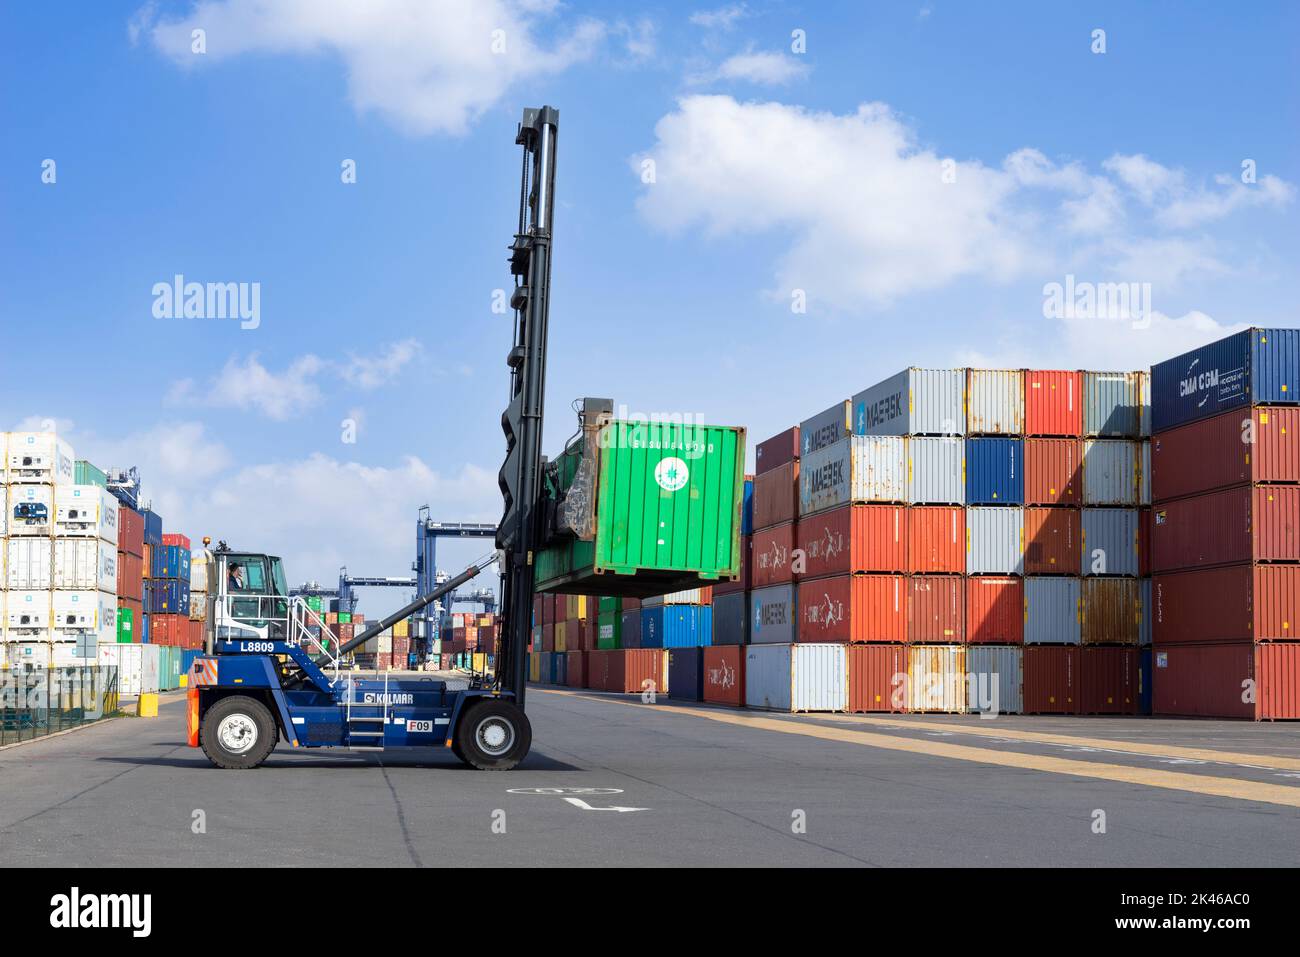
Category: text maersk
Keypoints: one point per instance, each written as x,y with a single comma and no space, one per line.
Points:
826,477
879,412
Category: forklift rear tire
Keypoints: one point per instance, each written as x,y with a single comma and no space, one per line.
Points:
237,733
493,736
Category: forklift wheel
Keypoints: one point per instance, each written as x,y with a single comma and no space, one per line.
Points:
238,732
493,736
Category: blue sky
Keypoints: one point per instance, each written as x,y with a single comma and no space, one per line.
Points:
775,171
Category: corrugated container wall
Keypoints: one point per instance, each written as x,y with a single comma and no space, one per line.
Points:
1110,472
994,471
1204,680
773,615
1112,404
995,402
936,539
1053,471
730,619
1051,679
995,540
824,429
936,678
1052,541
1053,403
853,608
1242,602
1234,525
1109,681
877,678
995,610
996,679
1256,445
1111,611
936,470
854,538
1110,541
857,469
1052,611
776,495
936,609
778,450
810,677
1257,365
913,402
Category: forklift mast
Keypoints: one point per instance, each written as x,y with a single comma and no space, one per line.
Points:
519,532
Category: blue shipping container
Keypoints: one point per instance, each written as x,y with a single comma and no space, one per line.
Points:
677,626
747,509
167,596
559,666
143,631
153,527
187,660
1258,365
169,561
994,471
1144,680
686,674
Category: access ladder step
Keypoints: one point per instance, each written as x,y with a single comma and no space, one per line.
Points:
365,734
355,720
360,747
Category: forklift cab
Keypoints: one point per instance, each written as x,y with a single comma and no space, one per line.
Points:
251,597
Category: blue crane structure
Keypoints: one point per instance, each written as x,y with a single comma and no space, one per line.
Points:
425,566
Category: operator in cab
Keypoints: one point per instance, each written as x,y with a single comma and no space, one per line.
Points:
235,580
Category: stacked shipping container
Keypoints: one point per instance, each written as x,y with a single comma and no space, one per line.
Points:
1225,540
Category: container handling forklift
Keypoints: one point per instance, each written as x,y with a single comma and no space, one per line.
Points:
272,677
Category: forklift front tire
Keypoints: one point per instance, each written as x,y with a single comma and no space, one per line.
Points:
238,733
493,736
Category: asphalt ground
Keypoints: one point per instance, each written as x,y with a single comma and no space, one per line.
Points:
613,781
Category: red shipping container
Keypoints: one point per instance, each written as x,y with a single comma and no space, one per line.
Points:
130,531
853,608
1203,680
776,451
772,548
597,665
1053,472
1051,679
724,675
130,576
538,612
1227,527
575,673
776,496
1226,604
743,583
1236,448
1277,667
854,538
548,636
176,538
137,616
877,678
936,539
1110,682
1052,541
936,609
629,670
995,610
1053,403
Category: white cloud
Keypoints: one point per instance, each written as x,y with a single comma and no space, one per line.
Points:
429,66
868,215
246,384
773,69
638,38
251,387
1180,205
721,18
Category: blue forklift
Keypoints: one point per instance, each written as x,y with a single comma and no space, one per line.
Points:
276,672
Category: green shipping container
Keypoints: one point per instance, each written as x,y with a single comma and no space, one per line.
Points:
665,515
87,474
609,631
314,603
125,626
345,617
608,604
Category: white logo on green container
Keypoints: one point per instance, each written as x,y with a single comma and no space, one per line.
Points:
672,474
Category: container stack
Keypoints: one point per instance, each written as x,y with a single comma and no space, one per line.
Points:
59,555
167,595
1225,540
130,575
723,661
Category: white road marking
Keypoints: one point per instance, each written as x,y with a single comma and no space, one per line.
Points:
579,802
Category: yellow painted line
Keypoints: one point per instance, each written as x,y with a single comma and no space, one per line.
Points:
1171,780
